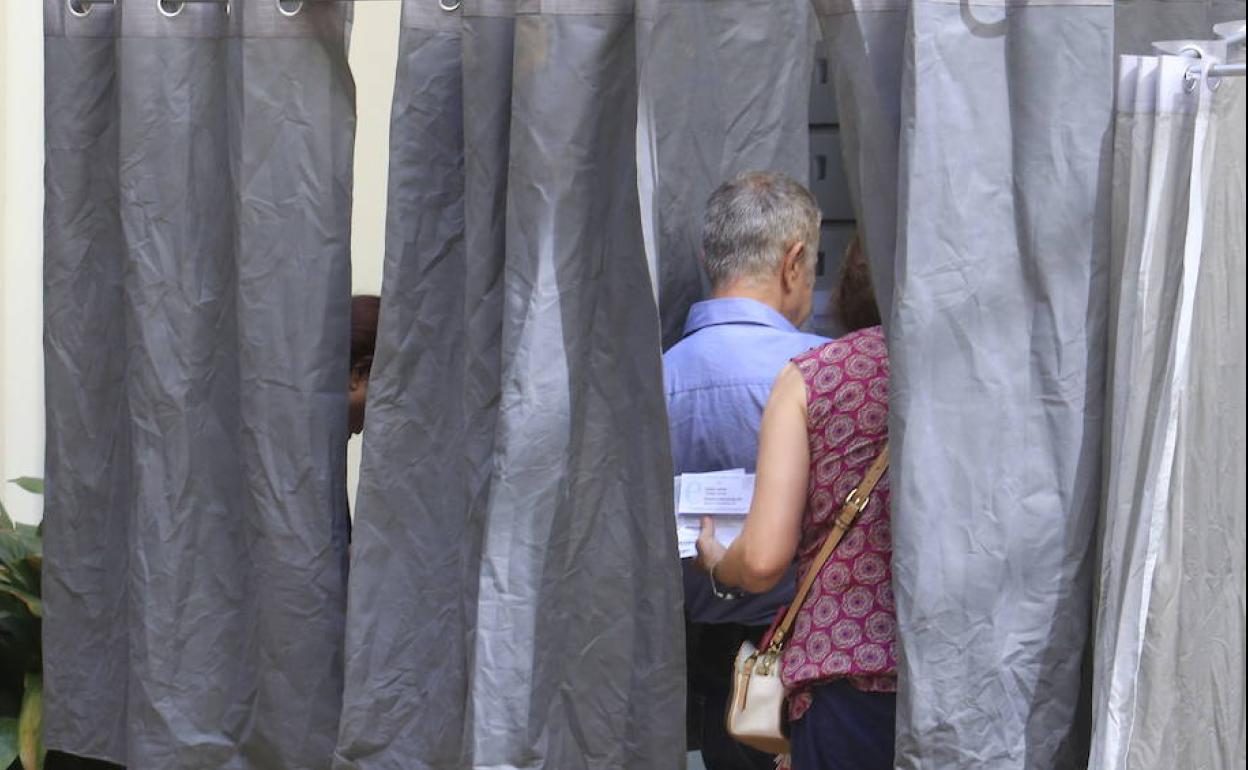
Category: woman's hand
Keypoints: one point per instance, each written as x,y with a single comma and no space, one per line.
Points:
710,550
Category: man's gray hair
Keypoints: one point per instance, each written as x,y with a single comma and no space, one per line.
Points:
752,220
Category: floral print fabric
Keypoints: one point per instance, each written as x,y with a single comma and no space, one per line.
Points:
847,626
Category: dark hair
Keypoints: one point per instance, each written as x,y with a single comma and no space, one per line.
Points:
364,310
853,300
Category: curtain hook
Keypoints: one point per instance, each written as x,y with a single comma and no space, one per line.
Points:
1191,76
170,8
79,8
453,5
289,7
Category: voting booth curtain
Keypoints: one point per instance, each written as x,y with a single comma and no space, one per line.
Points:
975,137
515,596
197,285
514,592
549,164
978,140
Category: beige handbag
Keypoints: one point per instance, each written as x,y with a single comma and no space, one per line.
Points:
756,709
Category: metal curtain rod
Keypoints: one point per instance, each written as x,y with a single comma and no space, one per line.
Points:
172,8
1218,70
80,6
1227,71
292,7
88,3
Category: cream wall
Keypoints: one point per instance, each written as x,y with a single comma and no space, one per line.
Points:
373,58
21,251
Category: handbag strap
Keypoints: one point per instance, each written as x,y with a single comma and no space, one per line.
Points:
855,502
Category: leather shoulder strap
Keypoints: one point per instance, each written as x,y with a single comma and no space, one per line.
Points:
854,504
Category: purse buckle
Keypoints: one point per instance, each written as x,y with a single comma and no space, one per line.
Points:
857,500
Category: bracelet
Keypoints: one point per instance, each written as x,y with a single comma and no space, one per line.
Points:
728,595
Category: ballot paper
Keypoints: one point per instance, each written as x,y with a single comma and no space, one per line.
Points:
725,495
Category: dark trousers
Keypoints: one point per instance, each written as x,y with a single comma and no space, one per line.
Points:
711,649
58,761
845,729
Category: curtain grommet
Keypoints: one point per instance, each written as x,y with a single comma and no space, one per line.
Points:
289,8
170,8
78,8
450,6
1191,77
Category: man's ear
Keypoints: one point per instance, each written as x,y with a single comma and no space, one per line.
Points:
793,266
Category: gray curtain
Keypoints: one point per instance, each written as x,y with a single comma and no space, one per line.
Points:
1170,621
197,288
989,251
515,593
724,88
977,139
866,50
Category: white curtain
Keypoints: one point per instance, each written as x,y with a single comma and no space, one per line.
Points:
1170,622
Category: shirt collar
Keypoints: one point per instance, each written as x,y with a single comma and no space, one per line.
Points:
734,310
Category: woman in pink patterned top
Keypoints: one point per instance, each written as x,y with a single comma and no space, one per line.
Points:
826,422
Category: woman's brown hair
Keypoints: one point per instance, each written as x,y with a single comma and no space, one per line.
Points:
853,299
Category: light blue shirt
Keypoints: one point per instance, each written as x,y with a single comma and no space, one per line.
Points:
718,378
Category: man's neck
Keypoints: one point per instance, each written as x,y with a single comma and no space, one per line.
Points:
764,294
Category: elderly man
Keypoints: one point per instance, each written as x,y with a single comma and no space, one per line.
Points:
760,237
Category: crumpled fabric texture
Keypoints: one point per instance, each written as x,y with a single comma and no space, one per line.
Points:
978,143
196,328
724,88
515,600
514,582
974,136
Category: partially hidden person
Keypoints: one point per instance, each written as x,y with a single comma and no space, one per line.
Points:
825,424
759,246
364,311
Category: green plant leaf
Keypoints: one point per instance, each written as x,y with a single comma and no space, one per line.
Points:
19,572
5,524
17,546
8,741
30,724
14,545
29,537
30,484
33,604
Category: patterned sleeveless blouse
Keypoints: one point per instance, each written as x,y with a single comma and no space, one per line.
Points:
847,626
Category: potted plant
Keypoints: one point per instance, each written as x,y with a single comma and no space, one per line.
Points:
21,611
